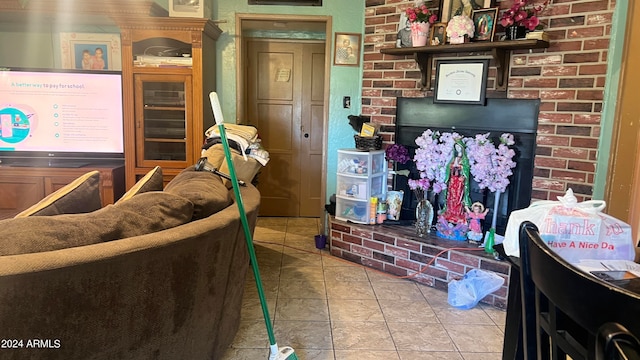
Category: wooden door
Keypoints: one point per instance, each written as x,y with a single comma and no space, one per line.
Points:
623,180
285,101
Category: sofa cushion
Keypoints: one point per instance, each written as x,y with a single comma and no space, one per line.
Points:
204,189
246,169
152,181
82,195
145,213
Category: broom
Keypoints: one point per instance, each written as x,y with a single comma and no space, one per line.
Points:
275,353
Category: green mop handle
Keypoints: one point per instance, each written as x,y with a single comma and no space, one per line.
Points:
217,113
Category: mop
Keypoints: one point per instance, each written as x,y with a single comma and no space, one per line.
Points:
275,353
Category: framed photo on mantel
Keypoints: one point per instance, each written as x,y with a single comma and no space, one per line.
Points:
451,8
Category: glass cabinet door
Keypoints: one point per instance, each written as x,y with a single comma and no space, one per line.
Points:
162,115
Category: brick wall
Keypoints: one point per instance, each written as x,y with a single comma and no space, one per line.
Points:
568,77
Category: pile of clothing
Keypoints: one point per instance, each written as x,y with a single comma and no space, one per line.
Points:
242,138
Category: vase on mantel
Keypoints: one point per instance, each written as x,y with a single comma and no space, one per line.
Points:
419,33
424,217
459,39
515,32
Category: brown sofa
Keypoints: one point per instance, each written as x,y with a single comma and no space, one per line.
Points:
170,294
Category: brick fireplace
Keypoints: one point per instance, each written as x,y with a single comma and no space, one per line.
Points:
397,250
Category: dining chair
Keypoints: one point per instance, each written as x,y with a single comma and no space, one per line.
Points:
569,312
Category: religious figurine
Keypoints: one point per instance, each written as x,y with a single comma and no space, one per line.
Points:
475,214
452,221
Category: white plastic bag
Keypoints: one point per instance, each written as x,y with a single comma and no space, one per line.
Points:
575,231
473,287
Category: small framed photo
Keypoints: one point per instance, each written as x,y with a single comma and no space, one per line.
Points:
86,51
461,81
438,34
451,8
347,52
485,23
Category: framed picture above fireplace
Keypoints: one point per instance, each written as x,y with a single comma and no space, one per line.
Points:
461,81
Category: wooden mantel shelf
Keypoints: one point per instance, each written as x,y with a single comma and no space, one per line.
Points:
500,50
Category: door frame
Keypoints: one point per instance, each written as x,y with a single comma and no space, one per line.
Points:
241,70
622,187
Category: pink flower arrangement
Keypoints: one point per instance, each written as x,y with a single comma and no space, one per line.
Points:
490,165
460,26
421,13
523,13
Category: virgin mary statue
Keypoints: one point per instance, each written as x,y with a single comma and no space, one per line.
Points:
452,221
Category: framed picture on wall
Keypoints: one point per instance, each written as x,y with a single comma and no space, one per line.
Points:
451,8
347,52
485,23
87,51
461,81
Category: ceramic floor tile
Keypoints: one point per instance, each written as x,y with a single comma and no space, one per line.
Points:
313,354
498,316
361,335
484,356
407,311
451,315
435,297
420,336
302,273
330,261
306,244
378,276
271,221
302,309
353,290
298,259
345,273
301,221
406,290
246,354
252,310
326,307
366,355
429,355
303,230
355,310
302,289
251,334
269,287
476,338
308,335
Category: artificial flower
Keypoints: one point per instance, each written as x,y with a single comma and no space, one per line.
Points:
420,13
460,26
398,153
524,13
491,166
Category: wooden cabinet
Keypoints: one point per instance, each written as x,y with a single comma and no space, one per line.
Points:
168,68
21,187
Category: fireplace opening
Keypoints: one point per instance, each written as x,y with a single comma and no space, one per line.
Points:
516,116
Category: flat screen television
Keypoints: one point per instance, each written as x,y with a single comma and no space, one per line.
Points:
60,117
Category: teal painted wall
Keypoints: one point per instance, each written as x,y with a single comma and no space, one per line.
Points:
616,47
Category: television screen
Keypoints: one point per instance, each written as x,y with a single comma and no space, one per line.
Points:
60,113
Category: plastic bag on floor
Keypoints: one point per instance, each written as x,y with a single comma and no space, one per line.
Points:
473,287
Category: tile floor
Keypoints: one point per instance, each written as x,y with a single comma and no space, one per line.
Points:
330,309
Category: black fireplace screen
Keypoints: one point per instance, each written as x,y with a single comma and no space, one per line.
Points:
516,116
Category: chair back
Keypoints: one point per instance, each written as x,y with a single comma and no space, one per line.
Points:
564,309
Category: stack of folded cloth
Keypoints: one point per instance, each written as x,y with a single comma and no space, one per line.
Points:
242,138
